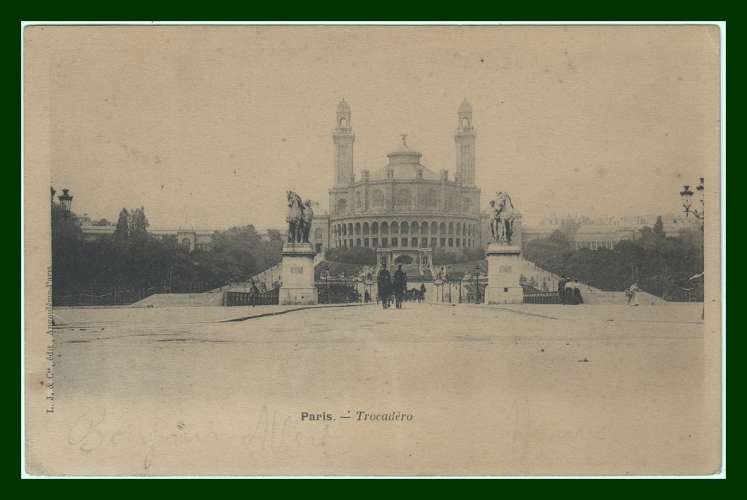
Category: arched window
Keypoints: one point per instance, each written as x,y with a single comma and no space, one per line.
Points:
458,229
365,229
358,230
350,228
394,227
442,228
384,228
374,228
405,229
434,228
377,198
414,228
423,227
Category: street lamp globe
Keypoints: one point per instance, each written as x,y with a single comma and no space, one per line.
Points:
66,200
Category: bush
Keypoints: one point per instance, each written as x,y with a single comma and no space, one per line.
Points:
356,255
442,256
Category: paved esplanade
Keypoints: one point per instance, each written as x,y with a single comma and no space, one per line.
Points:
499,388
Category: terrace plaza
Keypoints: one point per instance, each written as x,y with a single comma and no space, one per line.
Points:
563,389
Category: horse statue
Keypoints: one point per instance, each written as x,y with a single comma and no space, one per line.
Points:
294,218
300,216
503,220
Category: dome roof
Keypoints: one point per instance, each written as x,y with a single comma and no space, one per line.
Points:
343,107
465,107
405,164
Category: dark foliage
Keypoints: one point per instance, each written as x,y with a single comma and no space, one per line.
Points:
132,260
356,255
443,256
660,265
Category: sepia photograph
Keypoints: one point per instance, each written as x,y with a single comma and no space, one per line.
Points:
373,250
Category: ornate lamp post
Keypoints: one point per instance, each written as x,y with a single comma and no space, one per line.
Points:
687,202
66,200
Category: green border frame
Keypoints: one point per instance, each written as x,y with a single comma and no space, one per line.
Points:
384,11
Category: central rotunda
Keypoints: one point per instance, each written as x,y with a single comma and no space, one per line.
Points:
405,207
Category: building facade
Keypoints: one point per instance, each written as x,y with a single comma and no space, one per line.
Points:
404,204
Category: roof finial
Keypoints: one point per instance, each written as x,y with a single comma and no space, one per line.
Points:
404,139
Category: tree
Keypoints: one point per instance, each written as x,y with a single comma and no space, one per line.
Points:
122,231
355,255
138,224
660,265
659,228
569,227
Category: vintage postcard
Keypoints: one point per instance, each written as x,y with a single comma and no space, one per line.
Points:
373,250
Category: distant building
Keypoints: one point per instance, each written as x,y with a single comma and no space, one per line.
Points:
189,239
404,204
602,232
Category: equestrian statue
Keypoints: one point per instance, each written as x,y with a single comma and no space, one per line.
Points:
300,216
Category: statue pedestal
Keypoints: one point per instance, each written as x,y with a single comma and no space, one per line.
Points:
504,271
297,274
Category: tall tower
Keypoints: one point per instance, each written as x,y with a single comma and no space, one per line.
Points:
343,137
465,145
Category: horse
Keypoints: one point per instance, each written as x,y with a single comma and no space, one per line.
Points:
506,215
294,218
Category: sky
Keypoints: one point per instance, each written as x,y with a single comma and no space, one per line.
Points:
207,127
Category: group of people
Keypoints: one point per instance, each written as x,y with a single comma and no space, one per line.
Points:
394,286
569,291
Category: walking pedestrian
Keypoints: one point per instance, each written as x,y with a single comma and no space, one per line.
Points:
400,285
561,289
384,284
632,294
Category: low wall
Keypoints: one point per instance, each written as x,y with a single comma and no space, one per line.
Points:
181,299
601,297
